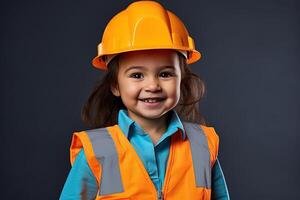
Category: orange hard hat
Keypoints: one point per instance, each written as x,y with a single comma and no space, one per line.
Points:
144,25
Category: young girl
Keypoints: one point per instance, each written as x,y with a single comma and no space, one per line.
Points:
147,139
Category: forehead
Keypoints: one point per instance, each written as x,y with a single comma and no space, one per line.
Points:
150,58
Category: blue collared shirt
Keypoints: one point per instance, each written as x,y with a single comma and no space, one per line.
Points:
154,158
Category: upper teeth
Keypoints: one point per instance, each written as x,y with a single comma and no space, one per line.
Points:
150,100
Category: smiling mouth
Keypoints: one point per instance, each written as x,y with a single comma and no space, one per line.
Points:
152,100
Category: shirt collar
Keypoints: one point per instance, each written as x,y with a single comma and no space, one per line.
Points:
125,123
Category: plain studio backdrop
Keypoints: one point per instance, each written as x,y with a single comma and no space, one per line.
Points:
250,65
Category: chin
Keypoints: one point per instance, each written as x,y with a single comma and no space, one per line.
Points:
152,115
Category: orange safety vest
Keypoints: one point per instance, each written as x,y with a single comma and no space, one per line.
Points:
120,173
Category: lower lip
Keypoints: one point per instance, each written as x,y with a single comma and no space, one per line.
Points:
152,104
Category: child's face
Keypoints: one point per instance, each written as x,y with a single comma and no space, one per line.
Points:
149,82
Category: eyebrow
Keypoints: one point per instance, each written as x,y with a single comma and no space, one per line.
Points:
142,67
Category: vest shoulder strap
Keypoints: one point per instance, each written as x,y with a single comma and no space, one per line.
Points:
102,157
203,145
81,140
213,141
204,136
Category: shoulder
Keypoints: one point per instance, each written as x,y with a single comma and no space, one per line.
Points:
198,132
208,131
87,139
92,135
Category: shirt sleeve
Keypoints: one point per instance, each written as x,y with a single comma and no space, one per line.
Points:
219,187
80,183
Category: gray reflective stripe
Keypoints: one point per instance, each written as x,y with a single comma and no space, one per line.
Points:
105,151
200,154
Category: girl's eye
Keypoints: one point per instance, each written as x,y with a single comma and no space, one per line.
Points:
166,74
136,75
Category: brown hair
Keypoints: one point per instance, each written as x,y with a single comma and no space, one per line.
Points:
102,107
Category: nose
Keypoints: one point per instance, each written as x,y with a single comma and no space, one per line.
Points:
153,85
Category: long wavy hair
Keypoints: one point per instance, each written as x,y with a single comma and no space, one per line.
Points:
102,107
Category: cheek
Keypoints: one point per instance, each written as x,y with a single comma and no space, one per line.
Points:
173,89
177,90
128,89
178,83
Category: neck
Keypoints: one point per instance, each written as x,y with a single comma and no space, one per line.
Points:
153,127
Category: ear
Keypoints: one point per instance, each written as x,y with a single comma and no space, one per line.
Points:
115,90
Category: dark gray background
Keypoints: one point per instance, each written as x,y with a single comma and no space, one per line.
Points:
250,65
